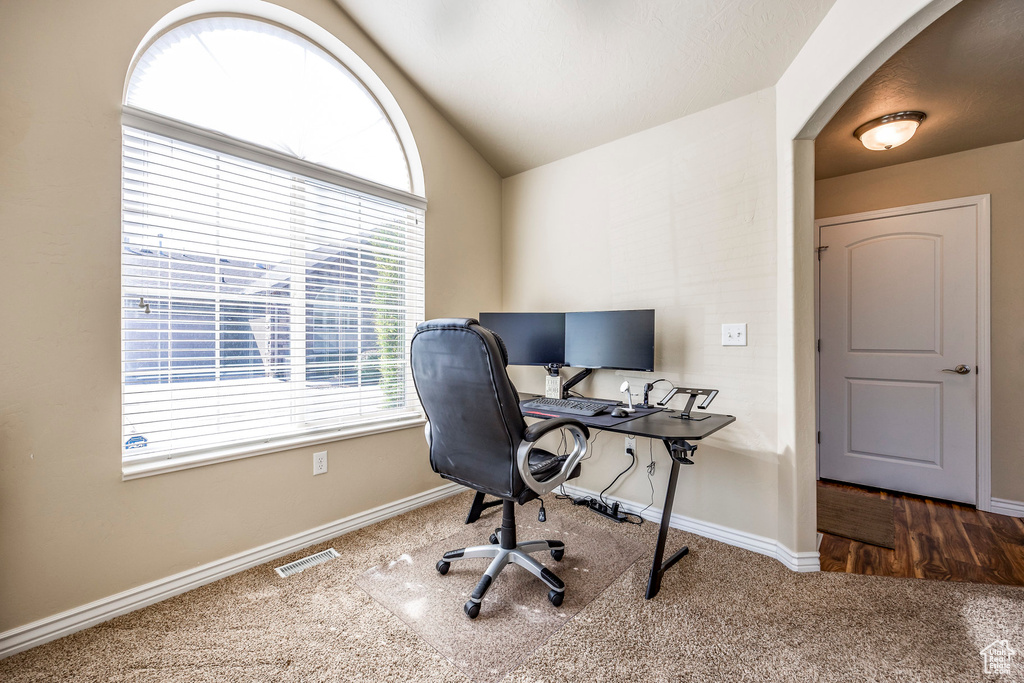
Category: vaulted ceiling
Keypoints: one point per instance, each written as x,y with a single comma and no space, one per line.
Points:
531,81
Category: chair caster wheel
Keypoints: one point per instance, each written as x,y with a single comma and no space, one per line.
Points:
556,597
557,555
442,567
472,609
494,539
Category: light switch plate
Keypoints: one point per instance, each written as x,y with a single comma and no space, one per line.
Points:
734,334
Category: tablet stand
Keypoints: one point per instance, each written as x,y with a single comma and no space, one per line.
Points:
709,395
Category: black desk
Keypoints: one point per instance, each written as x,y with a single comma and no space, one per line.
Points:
676,434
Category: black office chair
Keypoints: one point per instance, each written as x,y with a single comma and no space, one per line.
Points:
478,438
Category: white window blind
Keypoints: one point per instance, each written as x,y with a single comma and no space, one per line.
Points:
258,303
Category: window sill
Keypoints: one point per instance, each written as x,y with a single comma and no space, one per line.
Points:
185,462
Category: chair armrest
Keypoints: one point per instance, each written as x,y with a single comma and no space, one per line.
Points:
539,429
580,434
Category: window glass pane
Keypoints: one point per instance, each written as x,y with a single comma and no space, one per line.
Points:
169,340
263,84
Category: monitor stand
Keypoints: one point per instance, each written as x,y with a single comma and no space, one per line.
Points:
574,380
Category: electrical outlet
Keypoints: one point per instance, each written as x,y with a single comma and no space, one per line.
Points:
630,445
320,463
734,334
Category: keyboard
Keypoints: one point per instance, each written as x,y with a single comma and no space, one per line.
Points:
567,406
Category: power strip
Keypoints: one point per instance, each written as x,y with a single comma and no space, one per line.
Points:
600,508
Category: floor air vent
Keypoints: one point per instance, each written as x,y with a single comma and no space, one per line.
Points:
306,562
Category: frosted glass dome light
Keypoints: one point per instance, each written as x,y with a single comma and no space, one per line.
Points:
889,131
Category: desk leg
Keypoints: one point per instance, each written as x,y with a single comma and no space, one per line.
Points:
657,567
479,506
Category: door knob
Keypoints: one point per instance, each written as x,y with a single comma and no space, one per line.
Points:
960,369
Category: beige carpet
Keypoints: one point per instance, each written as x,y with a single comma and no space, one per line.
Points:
859,515
723,614
515,612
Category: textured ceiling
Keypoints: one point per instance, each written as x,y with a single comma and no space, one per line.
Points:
965,71
531,81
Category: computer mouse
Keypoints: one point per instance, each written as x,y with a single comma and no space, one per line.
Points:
619,412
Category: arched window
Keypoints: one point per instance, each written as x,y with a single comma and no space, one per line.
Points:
272,248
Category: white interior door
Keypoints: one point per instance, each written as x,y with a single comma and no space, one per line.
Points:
898,317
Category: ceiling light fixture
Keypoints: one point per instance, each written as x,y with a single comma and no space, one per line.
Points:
889,131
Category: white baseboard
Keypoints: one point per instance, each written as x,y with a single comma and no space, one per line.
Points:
807,561
798,562
59,625
1001,506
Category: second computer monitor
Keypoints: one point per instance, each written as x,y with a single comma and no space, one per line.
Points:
620,340
530,338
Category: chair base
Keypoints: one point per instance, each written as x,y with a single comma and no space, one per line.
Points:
506,552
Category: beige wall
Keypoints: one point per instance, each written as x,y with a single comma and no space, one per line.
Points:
679,218
70,530
998,171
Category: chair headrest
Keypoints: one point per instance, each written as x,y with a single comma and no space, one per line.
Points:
463,323
446,323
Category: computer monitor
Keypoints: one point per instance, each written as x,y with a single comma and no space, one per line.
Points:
620,340
531,338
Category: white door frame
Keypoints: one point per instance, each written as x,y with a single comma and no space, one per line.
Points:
984,397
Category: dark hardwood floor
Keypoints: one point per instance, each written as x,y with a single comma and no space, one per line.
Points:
934,540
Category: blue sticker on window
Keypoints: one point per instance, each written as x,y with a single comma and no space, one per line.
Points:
135,442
